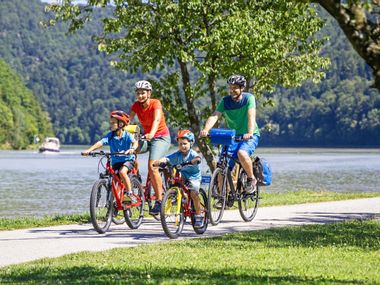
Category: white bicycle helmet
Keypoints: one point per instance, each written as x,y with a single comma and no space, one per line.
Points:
143,84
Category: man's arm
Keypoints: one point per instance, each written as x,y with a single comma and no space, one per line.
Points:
210,123
251,123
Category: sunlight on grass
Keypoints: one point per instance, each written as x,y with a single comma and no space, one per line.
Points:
342,253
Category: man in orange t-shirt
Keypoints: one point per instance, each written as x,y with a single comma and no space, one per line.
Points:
152,119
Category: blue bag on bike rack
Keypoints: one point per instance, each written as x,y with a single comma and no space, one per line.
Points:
222,136
262,171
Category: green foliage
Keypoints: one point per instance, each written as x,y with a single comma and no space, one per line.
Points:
271,41
21,115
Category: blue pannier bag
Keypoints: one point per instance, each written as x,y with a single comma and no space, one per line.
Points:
262,171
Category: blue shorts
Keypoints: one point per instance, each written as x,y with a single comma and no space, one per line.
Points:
248,146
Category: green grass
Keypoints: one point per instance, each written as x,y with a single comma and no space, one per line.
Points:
29,222
341,253
268,199
305,196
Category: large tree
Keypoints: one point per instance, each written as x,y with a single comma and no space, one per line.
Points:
195,43
360,22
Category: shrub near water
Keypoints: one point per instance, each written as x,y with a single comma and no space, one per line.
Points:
343,253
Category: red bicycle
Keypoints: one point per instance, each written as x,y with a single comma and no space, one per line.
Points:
106,199
177,204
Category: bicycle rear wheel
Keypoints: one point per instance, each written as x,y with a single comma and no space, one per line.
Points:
216,197
203,199
134,215
152,195
172,217
101,206
248,203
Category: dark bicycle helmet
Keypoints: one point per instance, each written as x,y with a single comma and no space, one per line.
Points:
186,134
120,116
237,80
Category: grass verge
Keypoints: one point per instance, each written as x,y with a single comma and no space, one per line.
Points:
268,199
341,253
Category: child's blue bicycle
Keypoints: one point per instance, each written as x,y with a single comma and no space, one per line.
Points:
222,192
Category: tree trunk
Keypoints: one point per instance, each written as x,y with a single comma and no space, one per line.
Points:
193,117
363,34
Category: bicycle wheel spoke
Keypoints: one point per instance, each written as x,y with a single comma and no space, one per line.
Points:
134,213
248,203
216,197
101,207
172,218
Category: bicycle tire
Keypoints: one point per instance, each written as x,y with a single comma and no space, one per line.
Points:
203,199
248,203
101,206
134,215
214,196
172,216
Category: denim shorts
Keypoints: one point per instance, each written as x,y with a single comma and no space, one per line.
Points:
157,147
248,146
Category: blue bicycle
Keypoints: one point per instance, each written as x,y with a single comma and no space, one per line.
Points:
222,192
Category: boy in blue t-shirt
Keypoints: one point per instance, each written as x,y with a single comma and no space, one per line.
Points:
119,140
191,174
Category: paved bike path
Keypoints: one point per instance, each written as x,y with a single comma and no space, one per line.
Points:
29,244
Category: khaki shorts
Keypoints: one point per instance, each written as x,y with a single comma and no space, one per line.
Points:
157,147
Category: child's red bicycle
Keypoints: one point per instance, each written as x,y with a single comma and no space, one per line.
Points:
107,197
177,204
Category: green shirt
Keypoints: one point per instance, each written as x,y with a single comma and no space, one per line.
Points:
236,113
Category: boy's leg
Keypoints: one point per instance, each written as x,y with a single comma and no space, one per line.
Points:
123,172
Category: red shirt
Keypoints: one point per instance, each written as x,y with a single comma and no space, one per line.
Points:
146,116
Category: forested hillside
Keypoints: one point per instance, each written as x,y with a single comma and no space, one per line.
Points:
77,86
21,116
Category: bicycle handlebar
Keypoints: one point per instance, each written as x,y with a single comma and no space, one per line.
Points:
177,166
103,153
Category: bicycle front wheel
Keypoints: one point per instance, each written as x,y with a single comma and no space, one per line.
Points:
172,217
101,206
216,196
248,203
134,215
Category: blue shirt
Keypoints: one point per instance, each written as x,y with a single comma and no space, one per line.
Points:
119,145
190,172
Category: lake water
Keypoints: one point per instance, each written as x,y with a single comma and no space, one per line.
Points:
34,184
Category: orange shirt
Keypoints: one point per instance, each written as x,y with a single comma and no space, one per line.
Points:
146,116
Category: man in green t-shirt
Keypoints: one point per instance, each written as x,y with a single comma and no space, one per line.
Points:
239,110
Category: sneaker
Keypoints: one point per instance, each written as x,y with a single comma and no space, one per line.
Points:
218,205
127,198
250,187
156,209
198,221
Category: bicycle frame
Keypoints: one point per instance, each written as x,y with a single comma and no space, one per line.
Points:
183,191
117,185
223,164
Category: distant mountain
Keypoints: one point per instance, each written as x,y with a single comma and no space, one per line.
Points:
22,119
77,87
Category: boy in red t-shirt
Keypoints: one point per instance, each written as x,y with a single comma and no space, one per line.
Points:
152,119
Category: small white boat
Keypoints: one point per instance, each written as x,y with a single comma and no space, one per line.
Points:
50,145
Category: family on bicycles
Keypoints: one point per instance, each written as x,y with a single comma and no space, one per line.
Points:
239,109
